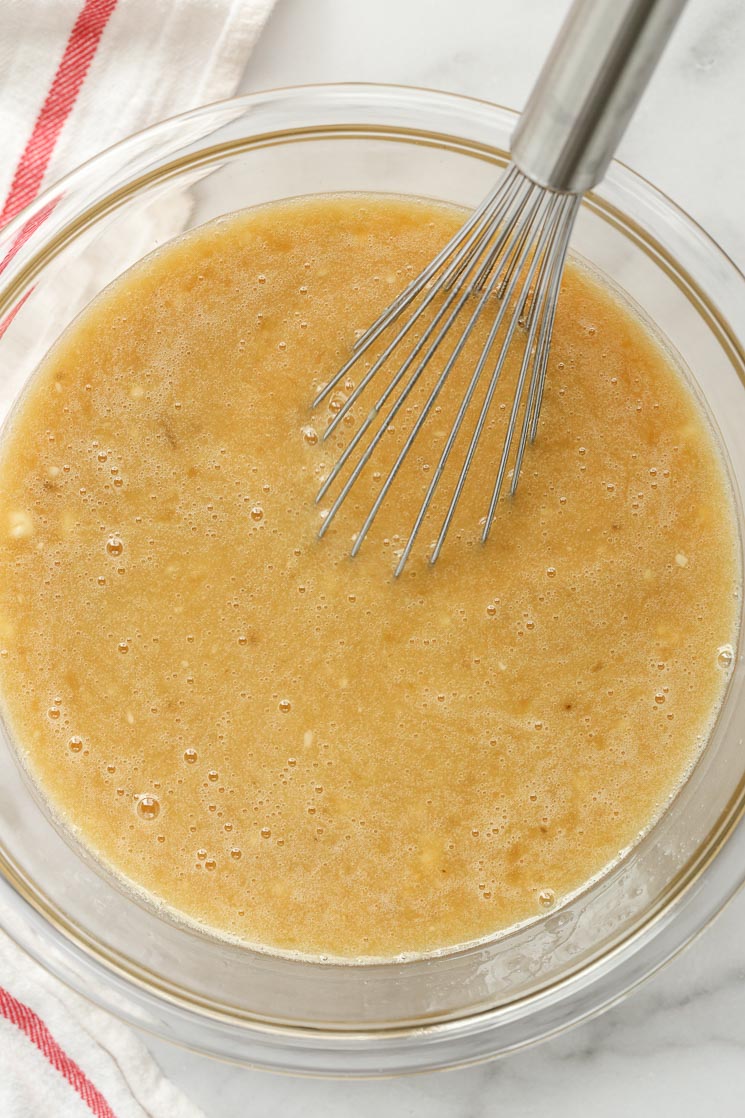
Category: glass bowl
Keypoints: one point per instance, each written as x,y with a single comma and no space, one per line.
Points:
465,1005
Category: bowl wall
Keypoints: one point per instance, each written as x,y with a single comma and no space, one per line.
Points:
466,1005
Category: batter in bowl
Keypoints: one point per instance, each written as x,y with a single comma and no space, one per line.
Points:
288,746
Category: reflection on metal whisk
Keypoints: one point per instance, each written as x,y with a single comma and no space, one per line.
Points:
508,257
513,247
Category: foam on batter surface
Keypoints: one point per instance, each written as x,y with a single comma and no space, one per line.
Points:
290,746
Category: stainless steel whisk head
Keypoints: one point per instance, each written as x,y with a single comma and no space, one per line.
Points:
512,248
507,260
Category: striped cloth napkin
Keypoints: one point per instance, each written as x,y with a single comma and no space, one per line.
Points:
62,1057
75,76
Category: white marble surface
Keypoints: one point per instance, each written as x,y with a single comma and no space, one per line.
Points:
677,1046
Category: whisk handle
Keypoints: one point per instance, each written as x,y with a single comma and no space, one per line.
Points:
589,88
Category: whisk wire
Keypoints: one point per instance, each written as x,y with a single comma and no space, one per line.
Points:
514,199
511,250
535,319
492,287
398,404
387,352
537,324
523,257
469,238
469,234
553,298
377,407
548,291
546,220
463,296
369,450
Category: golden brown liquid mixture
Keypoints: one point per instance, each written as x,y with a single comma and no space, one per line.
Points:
290,746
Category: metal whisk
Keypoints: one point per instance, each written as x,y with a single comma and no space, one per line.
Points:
508,257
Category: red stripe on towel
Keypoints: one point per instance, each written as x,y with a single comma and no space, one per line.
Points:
76,59
19,241
29,226
32,1025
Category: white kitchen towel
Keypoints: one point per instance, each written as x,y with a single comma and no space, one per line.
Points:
75,77
61,1056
